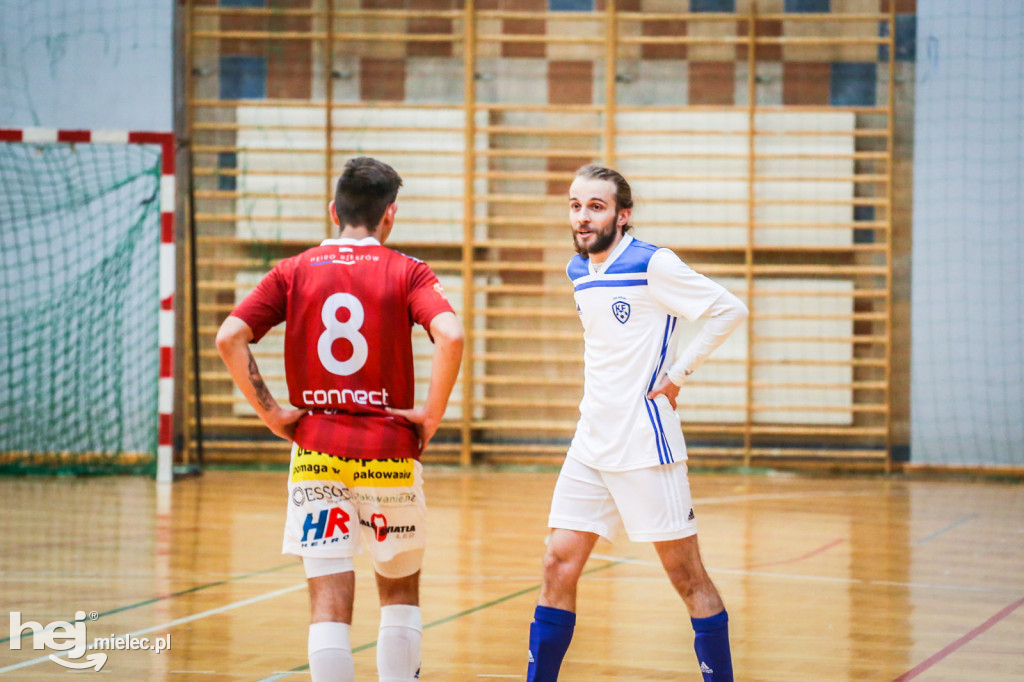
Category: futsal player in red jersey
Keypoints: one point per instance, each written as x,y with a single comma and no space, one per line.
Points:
355,475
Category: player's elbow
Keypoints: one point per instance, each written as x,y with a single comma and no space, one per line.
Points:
233,333
453,339
742,311
735,309
225,343
446,330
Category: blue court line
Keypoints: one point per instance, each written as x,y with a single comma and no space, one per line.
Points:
943,530
448,619
181,593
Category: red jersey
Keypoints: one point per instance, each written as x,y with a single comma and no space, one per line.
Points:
349,306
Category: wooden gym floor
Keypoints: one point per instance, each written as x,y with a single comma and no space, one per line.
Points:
825,578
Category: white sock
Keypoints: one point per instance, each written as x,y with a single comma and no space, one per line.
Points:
330,653
398,643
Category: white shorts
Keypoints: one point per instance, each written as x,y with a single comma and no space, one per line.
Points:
653,503
335,504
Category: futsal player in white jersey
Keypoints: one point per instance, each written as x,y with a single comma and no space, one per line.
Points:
627,461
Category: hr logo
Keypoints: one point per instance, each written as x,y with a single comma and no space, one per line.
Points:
324,526
59,635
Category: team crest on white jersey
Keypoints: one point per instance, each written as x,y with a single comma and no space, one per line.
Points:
621,311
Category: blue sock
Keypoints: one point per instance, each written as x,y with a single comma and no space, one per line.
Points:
712,646
550,634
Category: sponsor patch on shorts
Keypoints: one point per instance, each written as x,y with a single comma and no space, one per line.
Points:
308,465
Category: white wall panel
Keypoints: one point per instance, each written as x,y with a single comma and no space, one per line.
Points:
715,145
430,208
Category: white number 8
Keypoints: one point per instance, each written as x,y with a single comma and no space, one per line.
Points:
342,330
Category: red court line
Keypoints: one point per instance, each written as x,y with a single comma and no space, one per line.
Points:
821,549
950,648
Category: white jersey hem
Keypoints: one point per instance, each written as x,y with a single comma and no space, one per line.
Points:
593,464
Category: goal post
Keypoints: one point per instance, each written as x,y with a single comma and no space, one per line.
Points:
87,329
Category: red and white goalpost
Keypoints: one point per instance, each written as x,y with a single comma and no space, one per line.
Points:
165,454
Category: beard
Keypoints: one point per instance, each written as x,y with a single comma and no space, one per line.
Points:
603,238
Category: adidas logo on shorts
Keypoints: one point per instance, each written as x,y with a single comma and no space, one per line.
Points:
691,517
705,669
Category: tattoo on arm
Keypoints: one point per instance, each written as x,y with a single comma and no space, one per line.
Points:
256,379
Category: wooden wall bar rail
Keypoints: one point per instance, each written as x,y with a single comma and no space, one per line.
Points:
486,113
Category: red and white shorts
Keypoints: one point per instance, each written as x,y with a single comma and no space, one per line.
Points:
336,504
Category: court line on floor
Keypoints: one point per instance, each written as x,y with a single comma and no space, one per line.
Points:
447,619
180,593
820,578
824,548
953,646
762,497
940,531
827,546
169,624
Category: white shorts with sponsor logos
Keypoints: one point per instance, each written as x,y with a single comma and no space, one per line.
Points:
653,504
335,504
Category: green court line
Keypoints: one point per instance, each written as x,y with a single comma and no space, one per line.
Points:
448,619
197,588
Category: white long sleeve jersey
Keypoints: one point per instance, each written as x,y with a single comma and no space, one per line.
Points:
630,310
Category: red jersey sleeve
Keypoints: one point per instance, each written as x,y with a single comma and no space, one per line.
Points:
267,305
426,296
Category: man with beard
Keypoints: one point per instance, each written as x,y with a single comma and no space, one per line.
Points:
627,461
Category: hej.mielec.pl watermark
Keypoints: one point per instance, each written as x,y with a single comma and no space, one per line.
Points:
71,637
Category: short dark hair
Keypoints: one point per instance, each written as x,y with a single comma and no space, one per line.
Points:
623,192
365,190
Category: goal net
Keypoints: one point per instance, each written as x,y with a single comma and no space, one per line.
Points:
80,293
